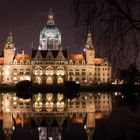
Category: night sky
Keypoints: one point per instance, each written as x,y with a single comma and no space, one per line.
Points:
26,18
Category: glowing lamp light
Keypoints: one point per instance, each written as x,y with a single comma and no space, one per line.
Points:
49,96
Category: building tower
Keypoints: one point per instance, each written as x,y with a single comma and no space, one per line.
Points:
9,53
50,36
90,50
9,50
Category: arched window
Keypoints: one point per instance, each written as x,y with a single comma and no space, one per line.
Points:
49,71
15,71
38,71
60,71
38,80
83,72
21,72
28,72
77,80
71,72
49,80
76,72
60,80
70,78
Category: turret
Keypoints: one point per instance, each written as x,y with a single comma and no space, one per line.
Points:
50,18
9,50
90,50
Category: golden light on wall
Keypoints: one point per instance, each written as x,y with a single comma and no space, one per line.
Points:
38,105
49,102
60,103
49,96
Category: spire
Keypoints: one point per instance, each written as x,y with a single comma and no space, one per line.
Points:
9,38
89,43
50,18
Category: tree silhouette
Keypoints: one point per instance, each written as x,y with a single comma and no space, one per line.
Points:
115,25
130,75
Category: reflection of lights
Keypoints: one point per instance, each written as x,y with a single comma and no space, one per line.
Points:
119,93
7,106
50,138
116,93
122,96
85,97
99,93
85,127
49,96
49,106
60,106
60,96
38,97
38,106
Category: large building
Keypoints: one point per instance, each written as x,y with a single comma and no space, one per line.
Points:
50,63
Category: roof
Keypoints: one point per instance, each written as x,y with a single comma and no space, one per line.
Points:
76,57
45,52
23,56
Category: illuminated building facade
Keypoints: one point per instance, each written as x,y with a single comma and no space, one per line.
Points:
49,63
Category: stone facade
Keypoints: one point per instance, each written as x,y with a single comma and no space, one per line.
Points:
51,64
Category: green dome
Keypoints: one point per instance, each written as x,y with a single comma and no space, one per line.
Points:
50,29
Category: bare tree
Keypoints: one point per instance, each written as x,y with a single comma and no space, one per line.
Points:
115,24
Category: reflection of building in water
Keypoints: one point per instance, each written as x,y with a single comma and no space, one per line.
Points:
103,104
50,63
49,112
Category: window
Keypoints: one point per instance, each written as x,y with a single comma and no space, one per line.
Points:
49,71
27,72
38,80
60,71
38,71
90,73
21,72
15,71
49,81
71,72
83,72
77,72
60,80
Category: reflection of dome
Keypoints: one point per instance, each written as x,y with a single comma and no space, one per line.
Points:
47,30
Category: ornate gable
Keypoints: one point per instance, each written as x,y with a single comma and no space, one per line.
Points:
60,56
49,55
38,56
